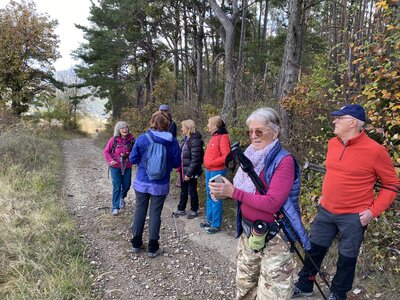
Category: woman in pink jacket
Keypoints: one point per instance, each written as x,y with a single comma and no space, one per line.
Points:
117,153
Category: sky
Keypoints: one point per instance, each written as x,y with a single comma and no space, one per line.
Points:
67,13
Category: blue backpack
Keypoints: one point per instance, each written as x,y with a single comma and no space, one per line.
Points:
155,160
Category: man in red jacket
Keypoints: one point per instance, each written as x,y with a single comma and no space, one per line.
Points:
354,162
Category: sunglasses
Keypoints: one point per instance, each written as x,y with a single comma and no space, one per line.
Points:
258,132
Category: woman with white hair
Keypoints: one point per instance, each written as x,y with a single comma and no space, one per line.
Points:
265,264
116,154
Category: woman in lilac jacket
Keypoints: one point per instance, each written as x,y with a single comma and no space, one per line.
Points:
116,153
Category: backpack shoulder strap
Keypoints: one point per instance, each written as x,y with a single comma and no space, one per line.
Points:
132,143
149,137
219,144
114,145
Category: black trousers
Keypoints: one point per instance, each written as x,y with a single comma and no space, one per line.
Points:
325,228
189,188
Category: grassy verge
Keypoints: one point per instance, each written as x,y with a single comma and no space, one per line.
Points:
41,253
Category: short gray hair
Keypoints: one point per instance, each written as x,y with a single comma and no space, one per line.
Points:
268,116
360,124
118,126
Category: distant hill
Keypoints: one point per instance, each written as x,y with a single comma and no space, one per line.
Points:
92,105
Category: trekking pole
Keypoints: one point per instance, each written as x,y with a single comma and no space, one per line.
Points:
281,216
176,227
248,168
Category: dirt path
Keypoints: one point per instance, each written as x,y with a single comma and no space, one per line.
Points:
196,266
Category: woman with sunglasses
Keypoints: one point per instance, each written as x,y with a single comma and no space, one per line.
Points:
265,265
214,160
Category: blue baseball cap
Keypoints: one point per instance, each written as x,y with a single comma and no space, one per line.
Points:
164,107
354,110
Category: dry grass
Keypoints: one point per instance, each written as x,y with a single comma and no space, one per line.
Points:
89,124
41,254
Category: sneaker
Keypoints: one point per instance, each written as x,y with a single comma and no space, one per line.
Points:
192,214
213,230
114,212
297,293
334,296
205,225
179,213
160,251
136,250
122,203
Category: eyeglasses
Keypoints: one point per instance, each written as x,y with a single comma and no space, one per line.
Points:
258,132
342,118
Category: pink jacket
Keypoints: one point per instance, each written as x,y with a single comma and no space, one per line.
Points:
123,147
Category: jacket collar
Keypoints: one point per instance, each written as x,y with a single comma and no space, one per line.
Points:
355,139
273,153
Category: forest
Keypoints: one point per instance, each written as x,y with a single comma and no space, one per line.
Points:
305,58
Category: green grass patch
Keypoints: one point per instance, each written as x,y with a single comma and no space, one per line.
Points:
41,253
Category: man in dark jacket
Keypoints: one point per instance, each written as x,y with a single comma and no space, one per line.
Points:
172,124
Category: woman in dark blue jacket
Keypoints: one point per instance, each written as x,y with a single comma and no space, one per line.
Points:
150,191
190,170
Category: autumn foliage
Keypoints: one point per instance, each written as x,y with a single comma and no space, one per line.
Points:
376,85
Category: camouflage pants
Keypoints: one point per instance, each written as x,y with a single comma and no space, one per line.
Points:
268,274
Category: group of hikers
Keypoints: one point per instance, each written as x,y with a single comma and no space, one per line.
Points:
266,186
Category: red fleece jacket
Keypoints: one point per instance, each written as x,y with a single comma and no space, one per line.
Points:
217,149
351,173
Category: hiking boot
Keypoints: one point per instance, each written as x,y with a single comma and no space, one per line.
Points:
297,293
179,213
192,214
205,225
160,251
122,203
114,212
213,230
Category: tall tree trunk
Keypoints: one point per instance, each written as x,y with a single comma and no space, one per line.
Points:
186,56
214,65
199,56
264,29
259,30
115,96
175,42
264,67
229,106
291,62
139,86
208,68
240,69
